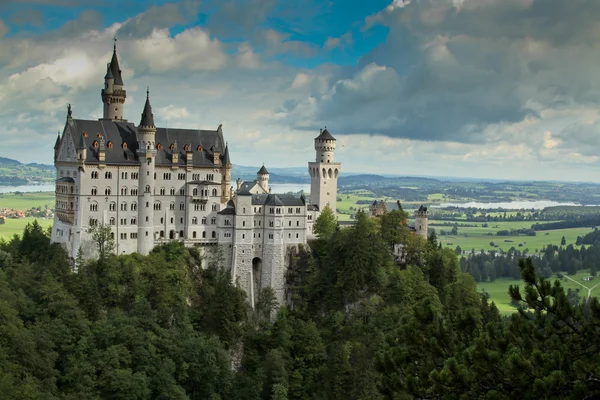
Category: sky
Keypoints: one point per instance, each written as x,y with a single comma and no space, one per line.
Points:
505,89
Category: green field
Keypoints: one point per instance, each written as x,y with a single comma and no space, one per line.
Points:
478,238
16,226
26,201
498,290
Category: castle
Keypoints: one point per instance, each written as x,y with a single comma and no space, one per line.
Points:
153,185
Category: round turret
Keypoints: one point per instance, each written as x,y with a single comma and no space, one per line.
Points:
262,178
325,147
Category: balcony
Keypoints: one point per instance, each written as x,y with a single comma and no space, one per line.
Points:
201,198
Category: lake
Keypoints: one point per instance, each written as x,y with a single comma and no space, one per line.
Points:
277,188
508,205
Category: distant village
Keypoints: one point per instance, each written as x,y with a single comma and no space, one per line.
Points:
36,212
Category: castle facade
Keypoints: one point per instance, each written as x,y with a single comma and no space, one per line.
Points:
152,185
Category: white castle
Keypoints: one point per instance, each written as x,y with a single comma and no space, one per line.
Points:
154,185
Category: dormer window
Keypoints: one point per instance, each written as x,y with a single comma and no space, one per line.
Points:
85,134
99,135
186,147
159,146
124,145
109,145
95,144
171,147
199,148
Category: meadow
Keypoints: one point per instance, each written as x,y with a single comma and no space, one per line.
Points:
498,290
16,226
26,201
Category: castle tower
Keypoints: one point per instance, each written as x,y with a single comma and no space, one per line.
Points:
113,94
226,182
146,152
421,221
324,173
262,178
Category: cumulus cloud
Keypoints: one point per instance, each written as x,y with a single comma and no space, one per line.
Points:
159,18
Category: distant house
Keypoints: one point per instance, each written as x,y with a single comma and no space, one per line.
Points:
588,278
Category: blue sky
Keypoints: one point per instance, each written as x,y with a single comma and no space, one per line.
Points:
478,88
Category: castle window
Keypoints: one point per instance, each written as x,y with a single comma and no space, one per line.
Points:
181,234
297,210
309,217
215,207
112,206
94,206
109,145
270,236
123,206
195,177
159,146
182,192
108,175
147,189
171,220
124,145
135,175
214,234
112,221
162,191
181,176
297,223
155,175
162,220
98,135
213,220
93,221
210,177
133,235
123,191
290,210
94,191
107,191
203,220
195,221
181,220
167,176
85,134
134,192
123,221
195,192
123,175
133,221
95,144
296,236
199,148
194,234
243,237
172,191
181,206
271,210
133,206
290,223
186,147
271,223
94,174
157,206
214,192
243,223
227,222
172,206
162,234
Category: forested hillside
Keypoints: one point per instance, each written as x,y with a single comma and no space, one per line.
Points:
359,326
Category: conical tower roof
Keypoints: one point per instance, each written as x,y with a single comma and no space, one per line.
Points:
81,142
115,70
226,159
263,171
57,142
147,116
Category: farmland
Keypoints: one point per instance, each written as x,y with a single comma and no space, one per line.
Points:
16,226
498,290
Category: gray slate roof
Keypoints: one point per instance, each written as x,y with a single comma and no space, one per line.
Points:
325,135
277,200
119,132
147,116
263,171
66,179
114,68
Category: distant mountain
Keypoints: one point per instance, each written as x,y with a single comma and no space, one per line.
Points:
8,161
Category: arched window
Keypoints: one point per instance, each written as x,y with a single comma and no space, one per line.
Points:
133,221
133,206
123,206
195,221
108,175
157,206
195,192
95,144
124,146
147,189
213,221
94,191
107,191
109,145
112,206
112,221
203,235
214,192
162,191
194,234
159,146
172,191
123,191
203,220
93,206
214,234
199,148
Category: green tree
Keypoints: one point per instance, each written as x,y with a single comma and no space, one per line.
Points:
325,224
563,241
102,237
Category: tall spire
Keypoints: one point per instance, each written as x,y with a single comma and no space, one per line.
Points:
226,159
57,141
114,66
147,116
